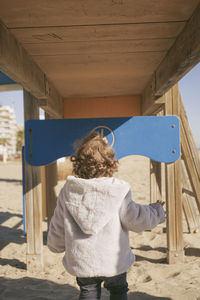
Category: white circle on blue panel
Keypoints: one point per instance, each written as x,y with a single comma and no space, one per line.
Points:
106,133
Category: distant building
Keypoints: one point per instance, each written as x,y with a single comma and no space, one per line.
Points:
8,129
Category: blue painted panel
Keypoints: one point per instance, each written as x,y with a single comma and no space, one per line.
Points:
4,79
155,137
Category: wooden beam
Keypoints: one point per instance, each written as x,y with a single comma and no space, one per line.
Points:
181,57
18,65
33,198
174,193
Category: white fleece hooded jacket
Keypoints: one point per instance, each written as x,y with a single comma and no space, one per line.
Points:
91,223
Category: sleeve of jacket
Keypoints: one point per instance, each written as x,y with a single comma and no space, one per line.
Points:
136,217
56,235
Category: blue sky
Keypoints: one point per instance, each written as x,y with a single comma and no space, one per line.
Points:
189,86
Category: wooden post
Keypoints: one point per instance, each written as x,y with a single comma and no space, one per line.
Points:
155,181
49,197
33,198
174,192
51,179
44,198
51,182
156,173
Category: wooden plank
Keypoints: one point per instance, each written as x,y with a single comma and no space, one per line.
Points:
96,84
190,165
100,75
101,32
99,47
125,62
191,142
178,213
171,218
18,65
182,56
118,106
173,193
190,154
89,12
33,199
188,207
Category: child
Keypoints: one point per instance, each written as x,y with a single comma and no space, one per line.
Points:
92,218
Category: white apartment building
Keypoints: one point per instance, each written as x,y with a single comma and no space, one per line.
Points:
8,129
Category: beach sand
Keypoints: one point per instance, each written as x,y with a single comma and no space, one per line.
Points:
149,278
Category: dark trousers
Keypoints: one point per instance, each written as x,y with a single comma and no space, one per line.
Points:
90,288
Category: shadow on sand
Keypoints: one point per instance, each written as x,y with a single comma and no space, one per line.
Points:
19,181
13,235
152,260
38,289
190,251
144,296
16,263
10,234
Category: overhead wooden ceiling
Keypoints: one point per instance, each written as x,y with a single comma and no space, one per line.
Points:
91,48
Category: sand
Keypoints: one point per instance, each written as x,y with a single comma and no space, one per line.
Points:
149,278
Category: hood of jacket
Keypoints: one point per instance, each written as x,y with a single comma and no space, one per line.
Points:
94,202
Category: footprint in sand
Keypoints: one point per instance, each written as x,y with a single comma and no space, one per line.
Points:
147,279
175,274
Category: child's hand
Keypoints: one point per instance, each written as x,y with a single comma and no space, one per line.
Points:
161,202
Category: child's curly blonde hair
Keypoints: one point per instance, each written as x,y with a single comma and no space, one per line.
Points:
94,158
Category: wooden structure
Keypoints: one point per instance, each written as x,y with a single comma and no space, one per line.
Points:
181,179
103,58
